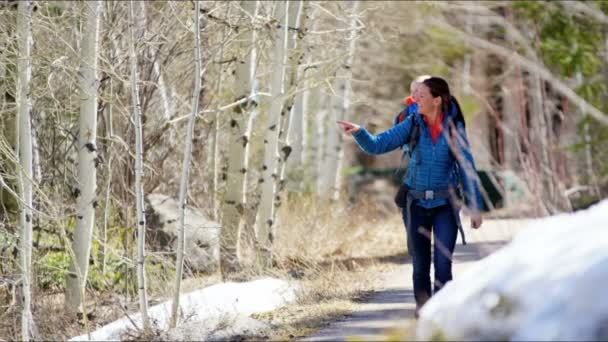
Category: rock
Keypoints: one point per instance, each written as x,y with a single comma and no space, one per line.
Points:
202,250
547,284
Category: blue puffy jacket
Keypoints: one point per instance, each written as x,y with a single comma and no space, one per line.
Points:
431,164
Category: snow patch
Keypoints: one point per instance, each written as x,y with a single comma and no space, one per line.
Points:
548,283
221,303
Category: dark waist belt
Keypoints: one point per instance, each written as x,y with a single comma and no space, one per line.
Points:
429,194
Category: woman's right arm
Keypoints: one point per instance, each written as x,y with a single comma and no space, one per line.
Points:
386,141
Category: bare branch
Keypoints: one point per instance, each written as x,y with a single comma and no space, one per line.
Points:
530,65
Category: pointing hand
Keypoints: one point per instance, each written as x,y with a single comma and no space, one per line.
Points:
348,127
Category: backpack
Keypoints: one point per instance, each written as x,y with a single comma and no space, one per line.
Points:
410,145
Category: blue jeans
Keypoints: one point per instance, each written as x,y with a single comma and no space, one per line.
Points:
441,222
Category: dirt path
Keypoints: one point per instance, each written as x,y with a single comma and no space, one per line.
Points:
390,311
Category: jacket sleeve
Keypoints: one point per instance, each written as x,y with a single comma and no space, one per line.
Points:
468,174
386,141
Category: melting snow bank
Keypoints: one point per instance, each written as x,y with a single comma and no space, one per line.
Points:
549,283
211,312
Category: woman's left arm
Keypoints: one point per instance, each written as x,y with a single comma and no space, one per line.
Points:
386,141
469,178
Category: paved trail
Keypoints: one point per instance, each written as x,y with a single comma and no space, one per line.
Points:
391,309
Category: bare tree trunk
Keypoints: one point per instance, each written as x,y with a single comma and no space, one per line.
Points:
214,155
589,160
24,149
37,171
539,134
297,11
238,153
512,111
87,159
139,171
183,187
309,102
295,168
215,166
109,135
308,142
321,137
264,223
113,52
540,130
341,103
295,137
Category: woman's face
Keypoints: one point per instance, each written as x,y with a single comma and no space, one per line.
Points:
427,104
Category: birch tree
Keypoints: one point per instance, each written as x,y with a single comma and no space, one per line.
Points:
87,158
330,179
320,141
24,149
213,156
183,186
297,11
139,170
238,151
264,222
307,112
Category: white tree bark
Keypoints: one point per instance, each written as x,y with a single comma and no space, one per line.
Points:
297,138
308,163
297,12
321,114
165,93
331,184
106,211
139,171
87,159
264,223
183,187
24,148
238,152
37,171
302,153
215,165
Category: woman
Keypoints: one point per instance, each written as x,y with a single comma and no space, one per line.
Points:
429,183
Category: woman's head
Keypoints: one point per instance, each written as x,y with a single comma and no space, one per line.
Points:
433,95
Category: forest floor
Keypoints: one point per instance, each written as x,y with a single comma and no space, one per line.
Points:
350,264
383,307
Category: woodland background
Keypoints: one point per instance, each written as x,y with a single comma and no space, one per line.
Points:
110,110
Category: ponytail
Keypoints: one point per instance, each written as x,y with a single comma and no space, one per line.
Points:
458,116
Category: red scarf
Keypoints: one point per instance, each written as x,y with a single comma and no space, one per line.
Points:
434,127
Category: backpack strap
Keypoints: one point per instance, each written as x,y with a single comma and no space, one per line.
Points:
413,143
414,136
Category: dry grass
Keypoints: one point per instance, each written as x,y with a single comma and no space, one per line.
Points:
324,297
333,250
315,231
302,320
336,251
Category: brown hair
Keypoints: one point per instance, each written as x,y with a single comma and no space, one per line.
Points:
439,87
